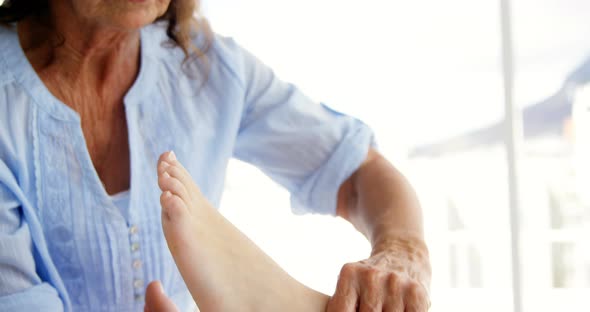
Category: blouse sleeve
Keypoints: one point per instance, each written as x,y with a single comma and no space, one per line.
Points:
303,145
21,288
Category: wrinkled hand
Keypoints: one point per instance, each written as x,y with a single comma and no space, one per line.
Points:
156,300
395,278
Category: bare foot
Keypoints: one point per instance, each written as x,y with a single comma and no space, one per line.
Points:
222,268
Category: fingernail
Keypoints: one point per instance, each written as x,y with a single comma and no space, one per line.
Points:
167,194
161,288
172,156
166,175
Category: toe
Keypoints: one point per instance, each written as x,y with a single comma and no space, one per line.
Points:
173,207
174,186
166,156
168,160
175,169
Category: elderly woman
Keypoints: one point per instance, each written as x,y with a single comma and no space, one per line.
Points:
92,92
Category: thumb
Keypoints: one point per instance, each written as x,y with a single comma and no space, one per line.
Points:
156,299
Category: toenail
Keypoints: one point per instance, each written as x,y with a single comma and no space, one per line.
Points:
171,155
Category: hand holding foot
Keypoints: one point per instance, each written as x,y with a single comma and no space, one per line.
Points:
223,269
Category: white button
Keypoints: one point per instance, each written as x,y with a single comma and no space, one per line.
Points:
137,264
135,247
138,283
133,229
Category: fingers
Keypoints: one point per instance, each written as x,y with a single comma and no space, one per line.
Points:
416,298
372,290
156,300
394,299
367,288
404,295
346,297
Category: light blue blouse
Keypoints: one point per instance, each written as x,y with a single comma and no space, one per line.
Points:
66,246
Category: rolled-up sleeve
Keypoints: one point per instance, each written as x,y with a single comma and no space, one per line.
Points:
21,288
303,145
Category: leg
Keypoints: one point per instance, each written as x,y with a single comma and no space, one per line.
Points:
222,268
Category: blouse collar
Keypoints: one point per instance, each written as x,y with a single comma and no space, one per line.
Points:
17,65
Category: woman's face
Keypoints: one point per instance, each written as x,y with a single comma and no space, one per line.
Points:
125,14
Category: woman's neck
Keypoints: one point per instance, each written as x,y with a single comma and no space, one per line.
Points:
80,50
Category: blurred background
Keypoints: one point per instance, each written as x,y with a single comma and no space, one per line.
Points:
427,76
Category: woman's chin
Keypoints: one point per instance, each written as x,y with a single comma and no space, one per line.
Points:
134,20
136,14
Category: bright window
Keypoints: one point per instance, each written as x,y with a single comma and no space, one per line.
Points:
427,76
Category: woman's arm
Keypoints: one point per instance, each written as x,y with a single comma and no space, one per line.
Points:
21,289
382,205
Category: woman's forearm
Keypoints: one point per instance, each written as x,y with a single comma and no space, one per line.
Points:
380,203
